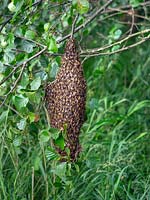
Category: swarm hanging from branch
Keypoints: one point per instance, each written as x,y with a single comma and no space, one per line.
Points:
65,100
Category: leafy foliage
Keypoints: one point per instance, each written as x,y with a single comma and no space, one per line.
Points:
115,138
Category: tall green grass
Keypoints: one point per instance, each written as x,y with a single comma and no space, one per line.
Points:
115,138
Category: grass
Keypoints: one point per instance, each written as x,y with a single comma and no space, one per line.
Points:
115,139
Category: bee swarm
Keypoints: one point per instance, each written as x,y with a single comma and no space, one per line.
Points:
66,98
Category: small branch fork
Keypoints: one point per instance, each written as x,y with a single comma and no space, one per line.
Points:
90,19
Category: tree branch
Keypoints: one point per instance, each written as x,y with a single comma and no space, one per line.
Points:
103,10
117,51
128,12
20,64
20,75
3,24
12,109
126,7
97,50
87,21
34,4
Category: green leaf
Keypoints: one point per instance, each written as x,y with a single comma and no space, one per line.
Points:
46,27
60,170
67,150
12,7
94,103
35,84
3,116
52,45
60,142
54,69
82,6
42,75
134,108
64,132
27,46
11,40
2,69
50,154
9,56
22,124
34,97
18,4
17,141
19,31
37,163
31,117
3,43
116,47
135,3
30,34
20,101
44,136
18,150
117,34
77,168
141,136
54,133
25,80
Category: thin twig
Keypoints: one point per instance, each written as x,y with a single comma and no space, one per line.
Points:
100,10
10,74
14,86
20,64
21,73
126,7
59,4
128,12
129,23
27,39
53,54
30,40
117,51
96,50
132,21
73,25
12,109
34,4
4,23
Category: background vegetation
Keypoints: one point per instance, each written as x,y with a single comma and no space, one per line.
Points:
114,47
